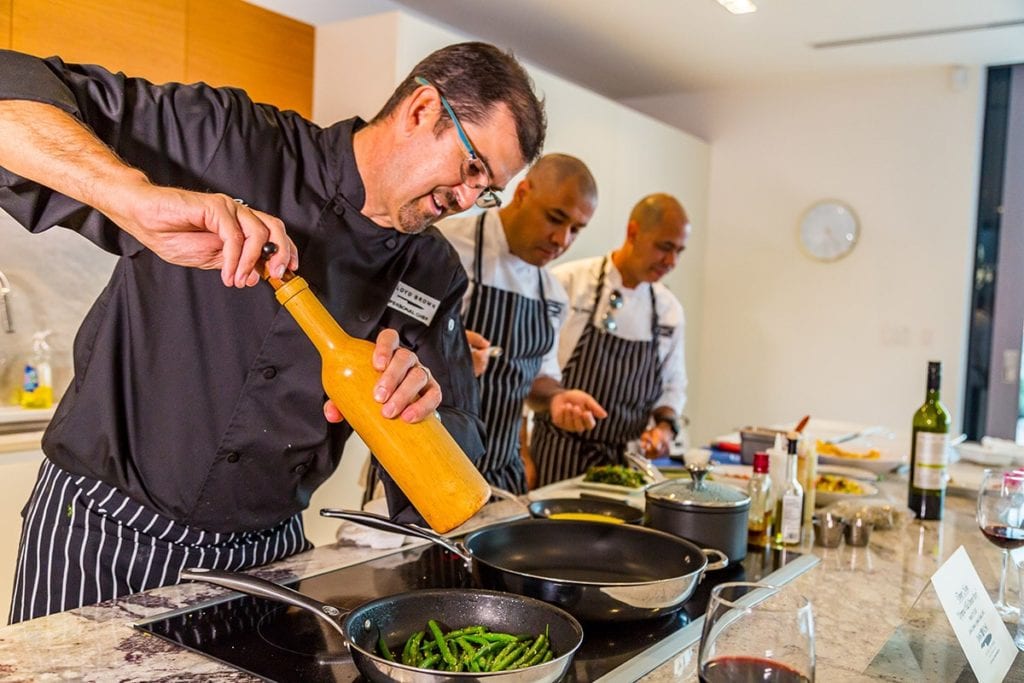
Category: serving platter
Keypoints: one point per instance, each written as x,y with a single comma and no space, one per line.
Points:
828,497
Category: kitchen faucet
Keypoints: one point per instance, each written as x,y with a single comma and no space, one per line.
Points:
5,305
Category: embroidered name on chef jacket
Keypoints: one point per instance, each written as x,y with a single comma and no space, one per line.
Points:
414,303
554,308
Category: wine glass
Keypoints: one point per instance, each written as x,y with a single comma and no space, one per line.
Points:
1001,518
756,632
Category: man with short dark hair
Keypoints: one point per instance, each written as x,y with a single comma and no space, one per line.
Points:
514,307
623,344
194,431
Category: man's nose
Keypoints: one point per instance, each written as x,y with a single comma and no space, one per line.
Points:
466,196
562,236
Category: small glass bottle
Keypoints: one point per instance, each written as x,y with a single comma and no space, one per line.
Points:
759,523
789,507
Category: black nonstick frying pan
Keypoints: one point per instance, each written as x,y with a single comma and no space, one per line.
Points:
593,570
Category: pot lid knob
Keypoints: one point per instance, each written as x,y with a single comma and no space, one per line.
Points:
697,474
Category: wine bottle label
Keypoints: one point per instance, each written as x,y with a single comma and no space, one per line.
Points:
930,461
792,508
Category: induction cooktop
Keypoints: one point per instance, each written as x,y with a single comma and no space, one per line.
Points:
281,643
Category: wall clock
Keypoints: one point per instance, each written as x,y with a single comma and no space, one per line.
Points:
828,230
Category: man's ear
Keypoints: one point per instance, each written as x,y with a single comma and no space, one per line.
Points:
420,111
522,189
632,228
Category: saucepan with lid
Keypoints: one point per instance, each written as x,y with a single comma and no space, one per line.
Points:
709,514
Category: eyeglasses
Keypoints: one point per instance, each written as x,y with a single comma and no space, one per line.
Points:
474,171
615,302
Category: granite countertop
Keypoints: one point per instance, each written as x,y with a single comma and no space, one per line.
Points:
876,615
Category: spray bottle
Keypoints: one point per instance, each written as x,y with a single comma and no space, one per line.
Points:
37,380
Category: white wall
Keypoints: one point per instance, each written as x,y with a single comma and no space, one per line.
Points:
782,335
630,155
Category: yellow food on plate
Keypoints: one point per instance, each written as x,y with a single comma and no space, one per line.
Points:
830,449
831,483
585,517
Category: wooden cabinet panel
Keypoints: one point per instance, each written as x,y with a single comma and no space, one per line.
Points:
230,42
139,38
5,23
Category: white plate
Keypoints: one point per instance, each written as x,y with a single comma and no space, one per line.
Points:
878,465
733,475
827,497
858,473
893,453
610,487
971,451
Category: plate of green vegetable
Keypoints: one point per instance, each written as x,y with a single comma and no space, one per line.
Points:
614,479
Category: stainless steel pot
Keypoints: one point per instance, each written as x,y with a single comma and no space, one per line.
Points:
706,513
397,617
593,570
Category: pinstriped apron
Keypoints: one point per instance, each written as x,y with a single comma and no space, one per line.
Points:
520,325
84,542
624,376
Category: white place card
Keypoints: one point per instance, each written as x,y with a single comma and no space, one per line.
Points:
985,640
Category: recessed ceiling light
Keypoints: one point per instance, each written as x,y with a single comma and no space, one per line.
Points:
738,6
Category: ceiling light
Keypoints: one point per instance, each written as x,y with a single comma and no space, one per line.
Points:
738,6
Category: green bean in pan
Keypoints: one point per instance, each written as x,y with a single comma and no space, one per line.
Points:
472,648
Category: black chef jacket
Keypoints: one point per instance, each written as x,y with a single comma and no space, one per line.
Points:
204,402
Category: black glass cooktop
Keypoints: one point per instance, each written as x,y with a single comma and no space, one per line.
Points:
280,643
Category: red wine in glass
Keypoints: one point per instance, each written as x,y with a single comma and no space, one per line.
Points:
749,670
1004,536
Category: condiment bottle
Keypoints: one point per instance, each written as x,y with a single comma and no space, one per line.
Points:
423,458
807,473
759,520
37,378
789,507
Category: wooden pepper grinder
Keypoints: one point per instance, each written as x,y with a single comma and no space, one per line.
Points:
423,458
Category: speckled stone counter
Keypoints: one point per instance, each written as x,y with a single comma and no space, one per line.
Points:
876,615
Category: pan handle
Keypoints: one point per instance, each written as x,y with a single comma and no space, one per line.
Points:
253,585
382,523
721,563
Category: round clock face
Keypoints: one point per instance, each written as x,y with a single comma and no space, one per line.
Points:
829,230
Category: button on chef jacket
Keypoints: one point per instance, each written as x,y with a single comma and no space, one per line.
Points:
633,320
204,402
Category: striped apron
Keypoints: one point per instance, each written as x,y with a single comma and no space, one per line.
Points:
84,542
624,376
521,327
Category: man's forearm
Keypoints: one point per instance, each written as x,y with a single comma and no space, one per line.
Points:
542,390
47,145
665,417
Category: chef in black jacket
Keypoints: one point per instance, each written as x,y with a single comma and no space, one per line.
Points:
194,431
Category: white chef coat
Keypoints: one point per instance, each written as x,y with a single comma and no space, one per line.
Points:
504,270
633,319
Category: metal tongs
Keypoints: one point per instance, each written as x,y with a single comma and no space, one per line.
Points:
641,463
